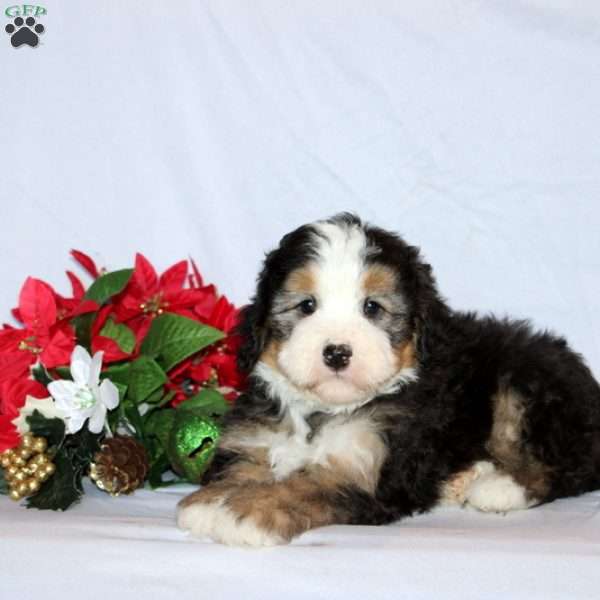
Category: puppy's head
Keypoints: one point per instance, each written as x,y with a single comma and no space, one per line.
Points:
337,312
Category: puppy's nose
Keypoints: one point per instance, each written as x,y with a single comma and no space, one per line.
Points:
337,356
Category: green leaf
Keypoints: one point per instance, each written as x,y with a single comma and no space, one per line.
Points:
121,334
41,375
145,377
3,483
117,373
172,338
108,285
207,403
135,419
62,489
51,429
83,328
159,425
161,464
63,372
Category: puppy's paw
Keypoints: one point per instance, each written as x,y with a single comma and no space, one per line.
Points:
497,492
218,522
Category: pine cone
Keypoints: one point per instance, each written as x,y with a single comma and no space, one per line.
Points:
120,466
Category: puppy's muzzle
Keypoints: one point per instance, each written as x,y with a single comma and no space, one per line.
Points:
337,356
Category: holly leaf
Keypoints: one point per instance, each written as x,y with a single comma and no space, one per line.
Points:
207,403
172,338
121,334
51,429
3,483
62,489
109,285
145,376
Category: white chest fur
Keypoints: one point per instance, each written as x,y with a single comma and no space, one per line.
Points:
346,444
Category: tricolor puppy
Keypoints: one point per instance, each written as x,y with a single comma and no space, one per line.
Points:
370,399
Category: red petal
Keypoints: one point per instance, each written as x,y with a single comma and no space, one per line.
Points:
15,364
87,306
9,437
76,286
197,281
111,349
16,314
144,279
174,277
58,350
86,262
37,304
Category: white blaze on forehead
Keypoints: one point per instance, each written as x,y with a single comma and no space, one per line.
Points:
341,255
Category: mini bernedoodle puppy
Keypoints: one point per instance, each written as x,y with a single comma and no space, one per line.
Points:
370,399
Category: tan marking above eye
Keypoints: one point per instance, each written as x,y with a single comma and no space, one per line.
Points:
301,281
378,280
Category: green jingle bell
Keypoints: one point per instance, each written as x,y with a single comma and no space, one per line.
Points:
192,442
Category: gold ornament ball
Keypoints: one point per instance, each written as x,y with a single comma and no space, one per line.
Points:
19,461
25,452
48,470
5,461
33,485
22,488
14,495
11,471
27,440
39,445
20,476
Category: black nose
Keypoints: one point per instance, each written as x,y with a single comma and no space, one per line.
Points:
337,356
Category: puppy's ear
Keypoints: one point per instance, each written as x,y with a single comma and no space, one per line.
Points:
253,331
429,306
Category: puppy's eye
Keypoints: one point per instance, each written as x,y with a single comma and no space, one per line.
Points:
371,308
308,306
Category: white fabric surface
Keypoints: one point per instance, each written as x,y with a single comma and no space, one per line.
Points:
212,128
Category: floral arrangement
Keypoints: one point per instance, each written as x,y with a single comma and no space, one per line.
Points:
124,382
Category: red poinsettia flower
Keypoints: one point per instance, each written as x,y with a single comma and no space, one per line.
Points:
47,334
213,367
13,394
148,295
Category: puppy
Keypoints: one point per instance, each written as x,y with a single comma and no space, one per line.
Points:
370,399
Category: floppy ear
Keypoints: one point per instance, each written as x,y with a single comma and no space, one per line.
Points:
429,306
253,331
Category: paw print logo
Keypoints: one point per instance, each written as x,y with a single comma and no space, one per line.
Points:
24,32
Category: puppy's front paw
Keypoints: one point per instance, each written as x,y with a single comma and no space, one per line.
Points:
217,521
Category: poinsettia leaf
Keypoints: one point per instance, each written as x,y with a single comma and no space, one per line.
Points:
121,334
172,338
159,425
108,285
117,373
62,489
51,429
134,417
83,328
144,378
207,403
40,374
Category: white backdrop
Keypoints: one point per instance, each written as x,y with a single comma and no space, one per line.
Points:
211,128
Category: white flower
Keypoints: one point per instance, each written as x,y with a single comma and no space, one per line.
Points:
46,406
84,398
